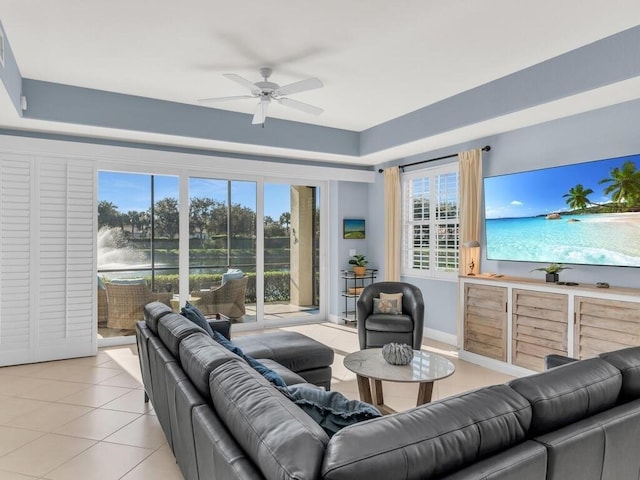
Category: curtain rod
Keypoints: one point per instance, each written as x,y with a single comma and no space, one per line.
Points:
402,167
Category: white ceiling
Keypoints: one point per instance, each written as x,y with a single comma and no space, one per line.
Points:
377,59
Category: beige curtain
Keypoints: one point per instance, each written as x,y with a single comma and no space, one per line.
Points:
392,221
470,203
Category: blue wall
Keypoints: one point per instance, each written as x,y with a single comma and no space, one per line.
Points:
604,133
348,200
10,74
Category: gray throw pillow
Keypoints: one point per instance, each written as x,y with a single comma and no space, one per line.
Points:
385,305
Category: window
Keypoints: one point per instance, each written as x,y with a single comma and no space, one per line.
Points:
431,225
137,247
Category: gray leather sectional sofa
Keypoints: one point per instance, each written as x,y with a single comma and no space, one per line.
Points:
225,421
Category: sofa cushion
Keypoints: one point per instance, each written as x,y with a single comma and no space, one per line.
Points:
218,455
282,440
232,273
266,372
431,440
128,281
291,349
527,461
388,322
173,328
568,393
596,447
289,377
192,313
331,410
199,355
627,361
153,312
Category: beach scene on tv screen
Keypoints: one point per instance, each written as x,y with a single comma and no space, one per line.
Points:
586,213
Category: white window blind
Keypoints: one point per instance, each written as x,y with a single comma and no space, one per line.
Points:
431,225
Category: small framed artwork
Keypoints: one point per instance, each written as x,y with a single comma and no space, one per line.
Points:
353,228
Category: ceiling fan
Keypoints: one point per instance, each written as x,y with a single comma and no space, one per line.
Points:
266,91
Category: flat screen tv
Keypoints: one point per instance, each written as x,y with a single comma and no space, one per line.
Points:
586,213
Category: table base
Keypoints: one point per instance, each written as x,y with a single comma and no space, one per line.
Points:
376,397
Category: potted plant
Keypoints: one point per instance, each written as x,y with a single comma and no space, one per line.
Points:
552,271
359,263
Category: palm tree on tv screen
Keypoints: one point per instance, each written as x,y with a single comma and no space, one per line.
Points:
577,198
624,184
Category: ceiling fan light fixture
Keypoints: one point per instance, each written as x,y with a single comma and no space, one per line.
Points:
266,91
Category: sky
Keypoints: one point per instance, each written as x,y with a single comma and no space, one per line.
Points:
539,192
132,191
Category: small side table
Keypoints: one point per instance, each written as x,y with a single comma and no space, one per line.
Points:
425,368
175,302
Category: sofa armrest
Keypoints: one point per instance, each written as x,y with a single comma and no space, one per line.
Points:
221,325
553,360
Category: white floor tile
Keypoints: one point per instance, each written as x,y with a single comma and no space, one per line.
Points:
145,431
12,407
161,465
49,417
43,454
105,461
130,402
95,396
15,476
97,424
12,438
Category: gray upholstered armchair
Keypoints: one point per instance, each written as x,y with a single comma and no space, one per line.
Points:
377,329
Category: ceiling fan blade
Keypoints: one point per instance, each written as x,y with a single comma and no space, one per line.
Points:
206,101
242,81
303,107
301,86
261,113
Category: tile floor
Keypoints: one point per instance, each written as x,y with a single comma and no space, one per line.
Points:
86,418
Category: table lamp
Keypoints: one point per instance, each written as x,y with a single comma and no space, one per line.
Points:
471,244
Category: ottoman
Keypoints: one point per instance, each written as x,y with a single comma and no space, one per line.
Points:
303,355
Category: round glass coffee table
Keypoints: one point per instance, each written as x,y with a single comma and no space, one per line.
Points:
425,368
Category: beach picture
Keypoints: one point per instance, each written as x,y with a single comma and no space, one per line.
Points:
587,213
353,228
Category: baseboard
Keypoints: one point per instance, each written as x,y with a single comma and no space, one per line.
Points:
116,341
440,336
497,365
335,319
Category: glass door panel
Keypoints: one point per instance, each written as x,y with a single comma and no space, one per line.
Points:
291,252
222,247
137,247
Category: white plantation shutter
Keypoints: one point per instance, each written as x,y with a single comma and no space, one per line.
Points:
66,232
50,242
431,232
16,331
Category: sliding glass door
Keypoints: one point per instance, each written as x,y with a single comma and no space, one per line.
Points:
254,249
291,252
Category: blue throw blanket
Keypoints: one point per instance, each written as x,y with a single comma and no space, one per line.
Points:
331,410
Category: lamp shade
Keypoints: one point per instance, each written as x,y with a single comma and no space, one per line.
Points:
471,244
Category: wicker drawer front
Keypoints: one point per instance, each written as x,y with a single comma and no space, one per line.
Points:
539,327
485,321
604,325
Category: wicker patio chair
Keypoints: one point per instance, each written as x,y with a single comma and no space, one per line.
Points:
126,304
103,307
227,299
